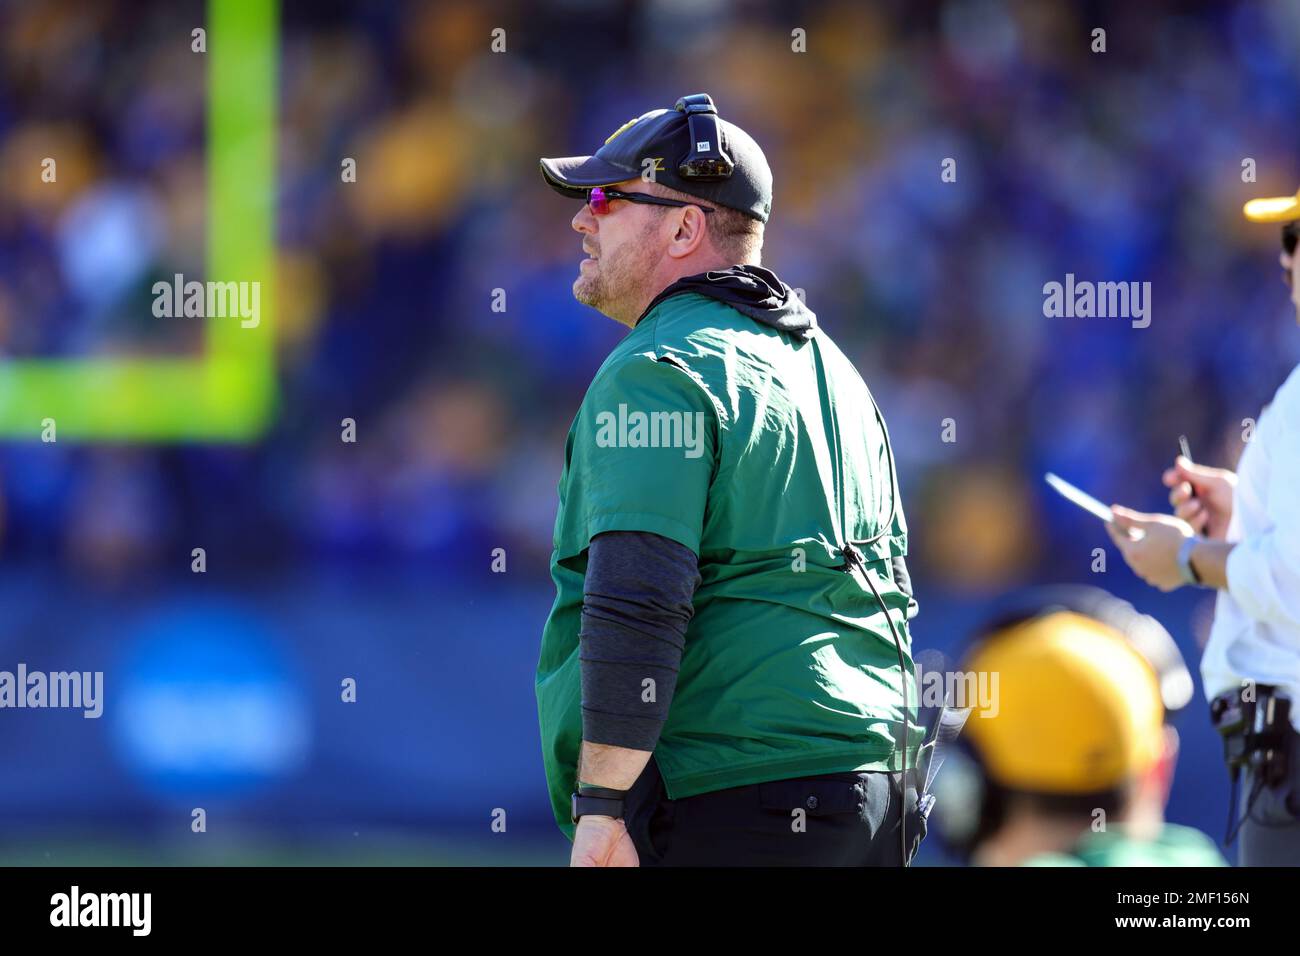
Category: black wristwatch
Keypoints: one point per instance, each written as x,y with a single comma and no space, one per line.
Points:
597,802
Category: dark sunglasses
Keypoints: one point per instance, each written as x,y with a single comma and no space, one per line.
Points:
599,198
1290,235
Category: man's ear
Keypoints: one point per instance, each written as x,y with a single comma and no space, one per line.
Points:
691,232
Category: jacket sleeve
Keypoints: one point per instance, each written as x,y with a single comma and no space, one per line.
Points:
643,454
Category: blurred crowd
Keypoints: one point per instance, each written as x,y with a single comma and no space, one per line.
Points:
1123,165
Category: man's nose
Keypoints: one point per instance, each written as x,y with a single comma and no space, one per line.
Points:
584,221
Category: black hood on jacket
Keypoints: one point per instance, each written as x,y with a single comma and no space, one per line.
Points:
753,290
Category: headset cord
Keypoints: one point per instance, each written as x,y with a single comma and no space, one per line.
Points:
885,529
853,554
854,558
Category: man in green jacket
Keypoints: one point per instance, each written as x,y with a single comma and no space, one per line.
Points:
725,677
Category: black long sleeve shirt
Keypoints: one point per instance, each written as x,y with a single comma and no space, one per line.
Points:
637,603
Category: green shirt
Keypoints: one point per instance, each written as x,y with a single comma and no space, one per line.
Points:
1175,846
755,450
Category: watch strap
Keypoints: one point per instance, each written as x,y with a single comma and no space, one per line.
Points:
605,793
596,806
1185,566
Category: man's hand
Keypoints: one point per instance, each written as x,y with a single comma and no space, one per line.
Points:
1201,496
1153,555
602,841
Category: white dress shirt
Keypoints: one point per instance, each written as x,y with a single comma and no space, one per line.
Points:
1256,632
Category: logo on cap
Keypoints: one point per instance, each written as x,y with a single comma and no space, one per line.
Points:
621,128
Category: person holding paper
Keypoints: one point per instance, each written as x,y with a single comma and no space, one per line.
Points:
1240,534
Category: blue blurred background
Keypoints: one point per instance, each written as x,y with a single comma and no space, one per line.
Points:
373,560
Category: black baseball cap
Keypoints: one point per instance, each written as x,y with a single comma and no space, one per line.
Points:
690,148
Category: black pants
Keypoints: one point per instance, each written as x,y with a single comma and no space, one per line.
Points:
1270,831
847,819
